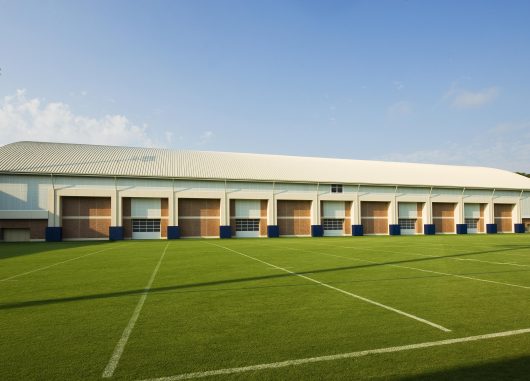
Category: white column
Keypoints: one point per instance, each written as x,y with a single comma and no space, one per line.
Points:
352,212
427,212
489,216
115,209
224,211
392,212
51,207
315,215
356,213
460,212
119,209
175,209
271,211
516,214
171,209
57,210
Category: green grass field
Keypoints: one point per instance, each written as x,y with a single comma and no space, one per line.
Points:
207,309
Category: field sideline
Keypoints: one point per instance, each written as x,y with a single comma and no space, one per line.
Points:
426,307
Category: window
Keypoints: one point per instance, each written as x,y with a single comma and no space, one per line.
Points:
247,224
472,223
407,223
145,225
336,188
333,224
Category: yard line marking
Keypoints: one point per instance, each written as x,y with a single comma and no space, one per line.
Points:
517,255
470,259
427,271
417,318
437,256
120,346
55,264
339,356
461,250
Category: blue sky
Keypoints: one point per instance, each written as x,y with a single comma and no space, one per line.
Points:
421,81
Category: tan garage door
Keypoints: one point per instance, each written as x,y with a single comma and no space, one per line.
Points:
199,217
16,235
294,217
503,217
86,217
374,217
443,217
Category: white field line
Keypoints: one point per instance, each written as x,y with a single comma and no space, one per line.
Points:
426,271
120,346
417,318
461,250
439,256
471,260
56,264
339,356
518,255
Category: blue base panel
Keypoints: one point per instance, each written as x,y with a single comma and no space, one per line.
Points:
429,229
357,230
491,228
461,228
173,232
54,234
273,231
518,228
394,229
317,231
115,233
225,232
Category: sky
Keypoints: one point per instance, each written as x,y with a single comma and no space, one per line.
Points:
418,81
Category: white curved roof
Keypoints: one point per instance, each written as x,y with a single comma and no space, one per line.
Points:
96,160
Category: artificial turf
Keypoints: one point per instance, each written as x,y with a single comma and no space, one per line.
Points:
218,304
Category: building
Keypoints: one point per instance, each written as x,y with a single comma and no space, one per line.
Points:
59,191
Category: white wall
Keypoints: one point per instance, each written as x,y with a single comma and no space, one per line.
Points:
525,205
24,192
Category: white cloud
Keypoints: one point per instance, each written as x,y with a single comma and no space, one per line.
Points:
39,120
400,109
507,146
463,99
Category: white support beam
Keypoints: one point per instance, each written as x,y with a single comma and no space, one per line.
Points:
115,210
393,212
271,211
224,211
175,209
315,212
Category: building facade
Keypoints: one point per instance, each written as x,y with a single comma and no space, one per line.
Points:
51,191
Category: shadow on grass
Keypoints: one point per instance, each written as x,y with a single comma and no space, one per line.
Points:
508,369
33,303
20,249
